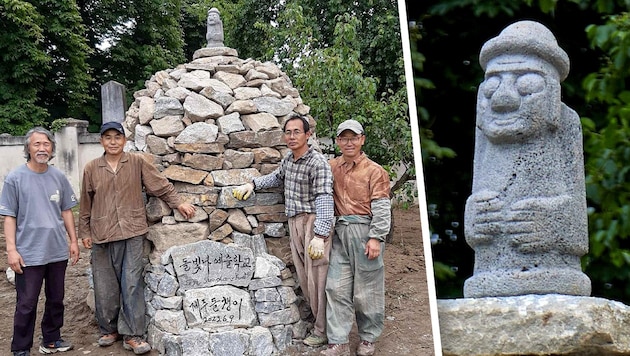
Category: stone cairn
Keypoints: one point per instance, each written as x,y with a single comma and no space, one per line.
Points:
218,283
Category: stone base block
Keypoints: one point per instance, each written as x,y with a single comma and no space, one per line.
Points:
215,51
549,324
570,281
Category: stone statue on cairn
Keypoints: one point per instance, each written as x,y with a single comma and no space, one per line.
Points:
214,32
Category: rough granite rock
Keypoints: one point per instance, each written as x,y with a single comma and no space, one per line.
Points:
530,325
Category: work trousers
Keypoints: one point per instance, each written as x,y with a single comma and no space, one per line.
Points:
28,286
119,286
355,286
311,273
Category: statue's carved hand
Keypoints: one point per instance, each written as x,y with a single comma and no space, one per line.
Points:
529,223
483,217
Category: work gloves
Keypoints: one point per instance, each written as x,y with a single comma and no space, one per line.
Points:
316,248
242,192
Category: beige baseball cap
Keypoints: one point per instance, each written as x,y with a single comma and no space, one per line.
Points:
352,125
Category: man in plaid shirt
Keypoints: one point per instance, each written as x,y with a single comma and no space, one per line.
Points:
307,180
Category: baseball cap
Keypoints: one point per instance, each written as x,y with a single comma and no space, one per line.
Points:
352,125
112,125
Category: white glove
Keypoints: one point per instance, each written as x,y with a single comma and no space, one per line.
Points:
316,248
242,192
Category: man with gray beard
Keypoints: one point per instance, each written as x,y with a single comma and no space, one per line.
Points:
36,203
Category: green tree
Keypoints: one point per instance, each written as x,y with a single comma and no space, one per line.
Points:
43,70
377,37
66,94
150,38
607,145
264,30
23,68
331,80
131,40
336,75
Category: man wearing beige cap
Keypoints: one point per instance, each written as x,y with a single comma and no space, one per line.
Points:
356,282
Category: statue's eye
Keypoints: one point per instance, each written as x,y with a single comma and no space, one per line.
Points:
490,85
530,83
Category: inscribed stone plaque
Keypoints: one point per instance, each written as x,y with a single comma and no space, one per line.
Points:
209,263
218,306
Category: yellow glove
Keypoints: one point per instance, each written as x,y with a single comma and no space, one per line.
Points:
316,248
242,192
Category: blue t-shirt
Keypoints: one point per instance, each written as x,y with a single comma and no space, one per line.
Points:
36,200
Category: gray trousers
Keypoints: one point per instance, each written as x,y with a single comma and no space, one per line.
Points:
355,286
119,286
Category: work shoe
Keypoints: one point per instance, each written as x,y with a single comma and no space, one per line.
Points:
109,339
136,344
57,346
336,350
315,340
22,353
366,348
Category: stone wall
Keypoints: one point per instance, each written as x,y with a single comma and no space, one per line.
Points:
226,299
75,147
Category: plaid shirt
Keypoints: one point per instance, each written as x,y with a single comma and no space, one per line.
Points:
307,187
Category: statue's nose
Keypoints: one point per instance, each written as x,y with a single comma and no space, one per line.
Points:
506,98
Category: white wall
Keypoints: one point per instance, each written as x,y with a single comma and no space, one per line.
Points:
75,147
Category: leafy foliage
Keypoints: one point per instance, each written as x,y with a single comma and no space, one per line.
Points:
132,40
65,90
151,39
607,144
332,81
43,69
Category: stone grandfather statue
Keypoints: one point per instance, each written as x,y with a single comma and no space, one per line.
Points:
214,32
526,218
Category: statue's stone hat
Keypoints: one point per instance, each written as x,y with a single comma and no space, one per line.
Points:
527,37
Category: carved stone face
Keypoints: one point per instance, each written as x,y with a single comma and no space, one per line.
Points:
213,18
519,98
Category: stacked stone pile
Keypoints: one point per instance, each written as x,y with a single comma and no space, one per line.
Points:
209,126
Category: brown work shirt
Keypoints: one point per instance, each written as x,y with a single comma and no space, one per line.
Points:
356,184
112,206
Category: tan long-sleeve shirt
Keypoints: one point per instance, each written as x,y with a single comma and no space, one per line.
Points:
361,189
357,184
112,203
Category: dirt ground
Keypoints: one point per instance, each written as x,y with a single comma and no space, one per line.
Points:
407,326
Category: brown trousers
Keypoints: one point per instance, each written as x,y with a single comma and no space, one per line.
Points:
311,273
